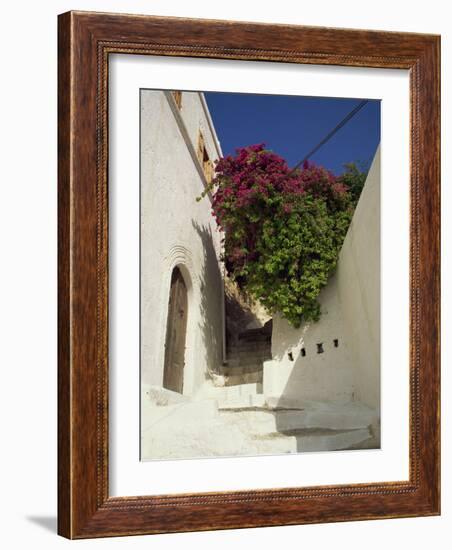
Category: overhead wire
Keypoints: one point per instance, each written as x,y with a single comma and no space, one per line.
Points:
330,134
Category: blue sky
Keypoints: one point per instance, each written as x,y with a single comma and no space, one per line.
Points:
293,125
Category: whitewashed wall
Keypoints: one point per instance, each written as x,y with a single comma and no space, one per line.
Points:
176,230
350,305
358,281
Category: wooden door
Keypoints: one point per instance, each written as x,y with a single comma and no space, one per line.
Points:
176,328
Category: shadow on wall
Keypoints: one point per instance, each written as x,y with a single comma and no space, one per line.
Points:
313,363
317,386
242,313
238,314
290,343
305,341
211,295
336,361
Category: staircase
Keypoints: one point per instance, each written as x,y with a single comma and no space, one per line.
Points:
238,421
230,416
246,356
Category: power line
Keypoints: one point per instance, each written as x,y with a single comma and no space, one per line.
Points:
342,123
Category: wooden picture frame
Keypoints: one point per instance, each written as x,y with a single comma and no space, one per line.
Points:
85,42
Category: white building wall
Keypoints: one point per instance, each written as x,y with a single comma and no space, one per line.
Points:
350,305
358,277
176,230
316,376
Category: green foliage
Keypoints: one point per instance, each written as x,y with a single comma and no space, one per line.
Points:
354,178
283,229
293,258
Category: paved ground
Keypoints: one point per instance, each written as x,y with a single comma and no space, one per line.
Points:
237,421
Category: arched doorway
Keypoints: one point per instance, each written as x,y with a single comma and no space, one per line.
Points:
176,329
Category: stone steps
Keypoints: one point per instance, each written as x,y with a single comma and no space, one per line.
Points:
244,365
251,361
246,356
280,415
228,393
286,421
239,373
254,335
317,442
237,421
239,351
286,416
241,370
237,379
235,366
318,414
242,402
251,347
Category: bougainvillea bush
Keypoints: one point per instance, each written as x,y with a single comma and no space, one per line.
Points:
283,229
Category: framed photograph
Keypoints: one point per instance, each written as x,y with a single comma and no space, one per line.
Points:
248,275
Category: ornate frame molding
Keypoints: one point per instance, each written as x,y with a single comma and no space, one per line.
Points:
85,42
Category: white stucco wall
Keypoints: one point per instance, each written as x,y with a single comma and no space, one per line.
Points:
178,231
350,306
358,280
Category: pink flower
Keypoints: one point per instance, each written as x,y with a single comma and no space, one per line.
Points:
287,208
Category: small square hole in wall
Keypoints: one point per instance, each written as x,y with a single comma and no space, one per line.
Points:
320,348
336,343
290,355
303,352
